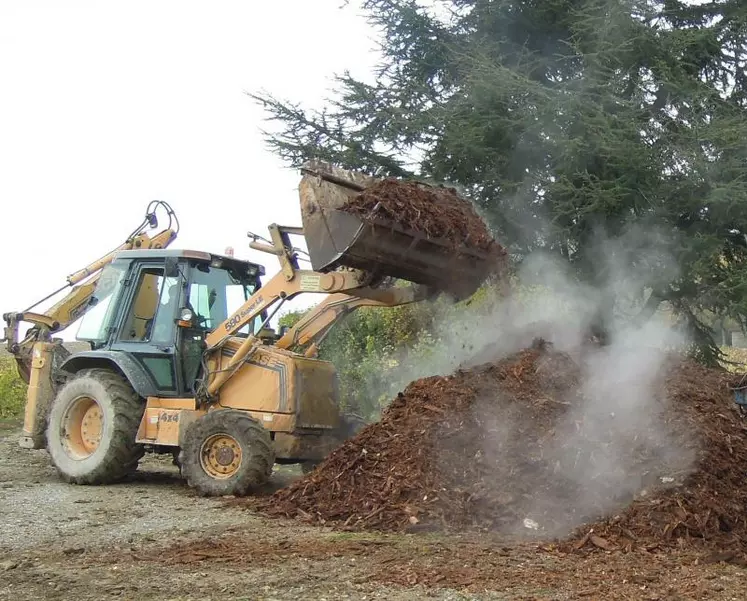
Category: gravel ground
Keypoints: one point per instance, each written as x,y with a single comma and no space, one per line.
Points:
61,541
46,512
151,538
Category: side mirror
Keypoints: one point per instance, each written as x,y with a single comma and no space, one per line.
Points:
171,267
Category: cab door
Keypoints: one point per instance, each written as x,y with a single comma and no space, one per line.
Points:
147,330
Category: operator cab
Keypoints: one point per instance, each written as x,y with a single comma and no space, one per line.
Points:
157,306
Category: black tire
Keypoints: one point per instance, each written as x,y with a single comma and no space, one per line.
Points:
251,443
117,453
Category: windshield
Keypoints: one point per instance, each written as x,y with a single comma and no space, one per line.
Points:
215,293
95,323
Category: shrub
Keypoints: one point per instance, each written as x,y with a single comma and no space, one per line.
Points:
12,390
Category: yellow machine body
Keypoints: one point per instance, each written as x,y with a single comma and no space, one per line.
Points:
292,396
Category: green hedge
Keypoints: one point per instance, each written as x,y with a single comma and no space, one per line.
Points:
12,390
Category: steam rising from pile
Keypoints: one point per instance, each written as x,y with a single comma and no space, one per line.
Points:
617,413
584,447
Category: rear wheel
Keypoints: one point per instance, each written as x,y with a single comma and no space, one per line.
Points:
93,425
226,452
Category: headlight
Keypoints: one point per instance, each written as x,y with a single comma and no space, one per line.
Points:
186,315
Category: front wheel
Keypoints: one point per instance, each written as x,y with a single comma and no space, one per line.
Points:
92,428
226,452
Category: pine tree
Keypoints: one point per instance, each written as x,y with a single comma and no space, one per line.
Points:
564,119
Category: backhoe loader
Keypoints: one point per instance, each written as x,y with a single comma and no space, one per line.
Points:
182,358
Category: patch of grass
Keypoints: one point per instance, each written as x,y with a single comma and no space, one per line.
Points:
12,390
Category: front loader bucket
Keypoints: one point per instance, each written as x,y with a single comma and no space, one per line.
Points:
336,238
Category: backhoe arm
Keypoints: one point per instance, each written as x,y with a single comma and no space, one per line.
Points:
38,354
72,307
82,283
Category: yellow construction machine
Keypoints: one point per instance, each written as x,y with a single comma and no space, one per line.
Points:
182,359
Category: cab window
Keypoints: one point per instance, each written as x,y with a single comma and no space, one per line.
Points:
96,323
142,311
237,295
151,314
215,293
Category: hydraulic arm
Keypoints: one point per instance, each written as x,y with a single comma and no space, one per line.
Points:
38,353
313,327
348,290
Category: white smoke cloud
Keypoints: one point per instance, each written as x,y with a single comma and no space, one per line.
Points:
615,440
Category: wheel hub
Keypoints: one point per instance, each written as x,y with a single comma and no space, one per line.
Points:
220,456
224,456
82,426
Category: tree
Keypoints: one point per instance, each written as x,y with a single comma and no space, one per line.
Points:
586,128
291,318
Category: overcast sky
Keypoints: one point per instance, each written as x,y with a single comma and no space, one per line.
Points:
108,105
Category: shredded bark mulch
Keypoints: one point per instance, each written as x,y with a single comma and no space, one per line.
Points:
524,447
435,212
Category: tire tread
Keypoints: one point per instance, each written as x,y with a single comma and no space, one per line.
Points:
124,453
255,440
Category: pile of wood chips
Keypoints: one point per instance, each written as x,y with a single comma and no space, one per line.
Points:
516,447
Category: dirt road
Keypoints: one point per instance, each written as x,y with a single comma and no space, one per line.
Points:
151,538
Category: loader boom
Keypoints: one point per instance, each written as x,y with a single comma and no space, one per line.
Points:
350,257
285,285
313,327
